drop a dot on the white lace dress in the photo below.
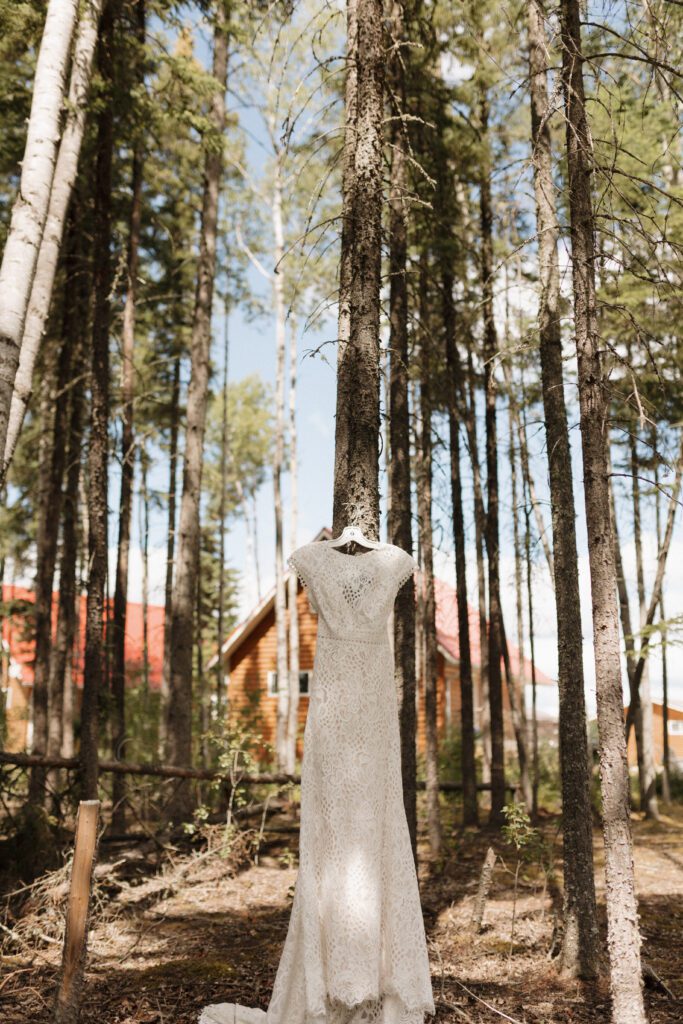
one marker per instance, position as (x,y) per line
(355,951)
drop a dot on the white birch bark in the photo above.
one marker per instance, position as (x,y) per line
(280,592)
(31,204)
(293,583)
(64,178)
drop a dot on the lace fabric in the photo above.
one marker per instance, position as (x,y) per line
(355,951)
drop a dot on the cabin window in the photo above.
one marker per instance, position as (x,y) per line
(272,683)
(675,727)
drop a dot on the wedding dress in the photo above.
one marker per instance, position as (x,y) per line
(355,951)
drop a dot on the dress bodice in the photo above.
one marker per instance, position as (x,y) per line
(353,595)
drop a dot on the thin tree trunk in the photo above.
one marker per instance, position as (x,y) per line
(118,674)
(356,476)
(534,688)
(666,787)
(579,949)
(144,529)
(66,168)
(282,661)
(170,557)
(30,208)
(94,669)
(46,718)
(454,369)
(515,683)
(479,532)
(424,515)
(179,739)
(222,513)
(657,586)
(492,528)
(343,421)
(293,712)
(648,781)
(399,512)
(623,937)
(60,739)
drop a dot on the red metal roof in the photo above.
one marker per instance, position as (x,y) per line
(17,640)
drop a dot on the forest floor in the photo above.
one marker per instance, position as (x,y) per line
(167,940)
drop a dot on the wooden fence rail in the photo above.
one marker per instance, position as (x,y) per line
(167,771)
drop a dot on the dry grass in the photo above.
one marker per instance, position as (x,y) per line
(168,938)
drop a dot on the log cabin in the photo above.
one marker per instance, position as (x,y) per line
(249,657)
(16,662)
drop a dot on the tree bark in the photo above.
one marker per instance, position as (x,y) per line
(356,477)
(55,428)
(666,786)
(282,660)
(60,737)
(479,532)
(30,208)
(118,681)
(66,168)
(399,513)
(492,528)
(623,937)
(221,695)
(293,582)
(170,555)
(454,369)
(179,740)
(424,515)
(648,781)
(93,672)
(579,949)
(343,422)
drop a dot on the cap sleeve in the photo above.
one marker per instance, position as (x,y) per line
(405,567)
(300,562)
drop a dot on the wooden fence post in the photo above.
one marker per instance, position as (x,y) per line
(67,1006)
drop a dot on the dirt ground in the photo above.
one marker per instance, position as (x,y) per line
(165,944)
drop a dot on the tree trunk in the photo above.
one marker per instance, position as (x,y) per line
(127,468)
(93,672)
(343,420)
(66,168)
(144,530)
(648,780)
(60,737)
(666,787)
(492,529)
(30,208)
(532,652)
(479,532)
(282,660)
(515,683)
(579,950)
(424,515)
(55,428)
(170,557)
(623,937)
(222,513)
(399,513)
(356,476)
(454,369)
(293,583)
(179,740)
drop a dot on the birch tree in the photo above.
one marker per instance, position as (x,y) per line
(66,168)
(30,208)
